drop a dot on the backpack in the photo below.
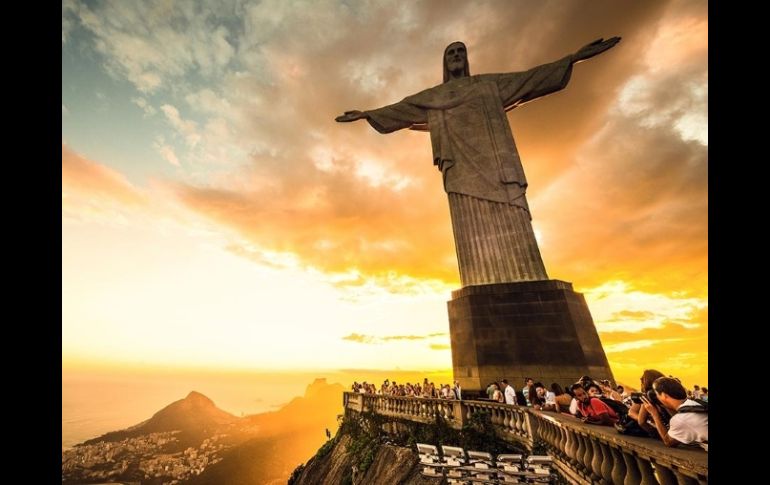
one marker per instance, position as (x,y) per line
(703,407)
(620,409)
(625,425)
(520,399)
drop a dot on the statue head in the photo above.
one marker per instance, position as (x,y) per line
(456,61)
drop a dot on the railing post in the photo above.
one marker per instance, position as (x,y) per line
(572,446)
(596,460)
(648,475)
(665,476)
(458,414)
(685,480)
(606,463)
(581,454)
(618,466)
(633,475)
(561,442)
(531,427)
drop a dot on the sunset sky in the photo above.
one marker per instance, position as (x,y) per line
(214,214)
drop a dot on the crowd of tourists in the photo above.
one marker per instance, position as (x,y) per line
(663,409)
(426,389)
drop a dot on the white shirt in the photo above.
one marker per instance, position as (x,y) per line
(573,406)
(510,395)
(690,428)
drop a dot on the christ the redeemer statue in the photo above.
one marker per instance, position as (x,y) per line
(474,149)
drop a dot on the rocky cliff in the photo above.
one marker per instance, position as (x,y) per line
(373,449)
(390,465)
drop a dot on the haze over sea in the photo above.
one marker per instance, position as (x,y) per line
(96,402)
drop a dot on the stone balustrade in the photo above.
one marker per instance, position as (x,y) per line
(583,453)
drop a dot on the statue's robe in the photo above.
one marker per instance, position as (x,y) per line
(483,176)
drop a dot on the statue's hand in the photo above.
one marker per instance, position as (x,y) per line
(351,116)
(594,48)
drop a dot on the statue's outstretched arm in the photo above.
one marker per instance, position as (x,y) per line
(389,118)
(351,116)
(594,48)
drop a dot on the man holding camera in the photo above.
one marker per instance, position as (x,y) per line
(690,424)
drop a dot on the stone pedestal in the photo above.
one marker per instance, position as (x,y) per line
(539,329)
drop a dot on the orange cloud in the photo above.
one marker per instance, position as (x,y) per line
(337,222)
(667,331)
(673,349)
(642,216)
(85,179)
(630,314)
(413,337)
(371,339)
(358,338)
(439,346)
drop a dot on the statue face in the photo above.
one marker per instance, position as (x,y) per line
(456,57)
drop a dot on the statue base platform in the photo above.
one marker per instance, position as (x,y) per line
(539,329)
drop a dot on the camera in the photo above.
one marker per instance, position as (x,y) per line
(650,395)
(653,397)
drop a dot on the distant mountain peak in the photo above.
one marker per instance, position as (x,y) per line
(318,385)
(198,397)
